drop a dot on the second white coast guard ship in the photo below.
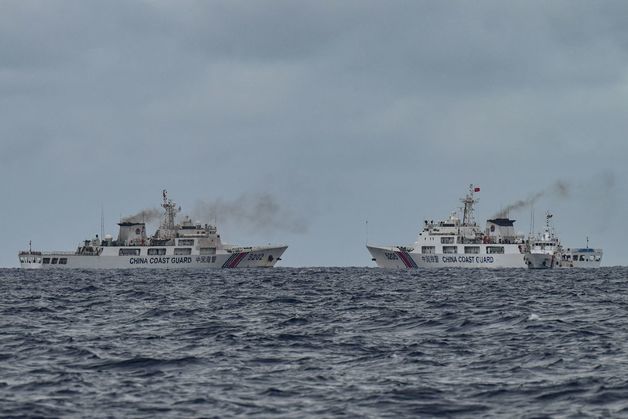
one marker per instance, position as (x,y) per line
(545,252)
(185,245)
(458,243)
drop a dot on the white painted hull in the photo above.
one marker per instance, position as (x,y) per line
(255,257)
(396,257)
(579,264)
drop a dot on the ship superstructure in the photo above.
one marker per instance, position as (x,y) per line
(546,252)
(580,257)
(458,243)
(183,245)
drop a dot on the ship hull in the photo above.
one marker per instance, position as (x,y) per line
(395,257)
(539,260)
(570,258)
(255,257)
(586,258)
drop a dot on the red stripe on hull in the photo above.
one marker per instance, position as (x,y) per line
(238,259)
(404,259)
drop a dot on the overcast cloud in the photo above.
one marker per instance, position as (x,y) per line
(336,112)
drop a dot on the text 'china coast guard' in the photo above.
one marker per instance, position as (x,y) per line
(184,245)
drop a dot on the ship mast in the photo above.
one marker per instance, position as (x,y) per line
(469,201)
(548,215)
(548,228)
(167,228)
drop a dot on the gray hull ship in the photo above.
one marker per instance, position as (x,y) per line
(184,245)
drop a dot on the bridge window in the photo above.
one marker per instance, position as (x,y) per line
(450,249)
(157,251)
(63,261)
(494,249)
(129,252)
(186,242)
(46,261)
(447,240)
(472,249)
(428,250)
(54,261)
(182,251)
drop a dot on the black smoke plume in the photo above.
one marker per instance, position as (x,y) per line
(559,188)
(600,184)
(144,216)
(258,212)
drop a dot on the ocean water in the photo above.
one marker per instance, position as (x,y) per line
(317,342)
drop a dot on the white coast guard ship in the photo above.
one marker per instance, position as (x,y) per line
(544,248)
(185,245)
(458,243)
(546,252)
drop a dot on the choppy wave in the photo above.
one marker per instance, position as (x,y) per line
(351,342)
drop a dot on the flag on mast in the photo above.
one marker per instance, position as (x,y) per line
(477,189)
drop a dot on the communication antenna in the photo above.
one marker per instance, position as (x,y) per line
(367,231)
(102,221)
(531,220)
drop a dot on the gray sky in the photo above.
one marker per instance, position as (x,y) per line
(318,114)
